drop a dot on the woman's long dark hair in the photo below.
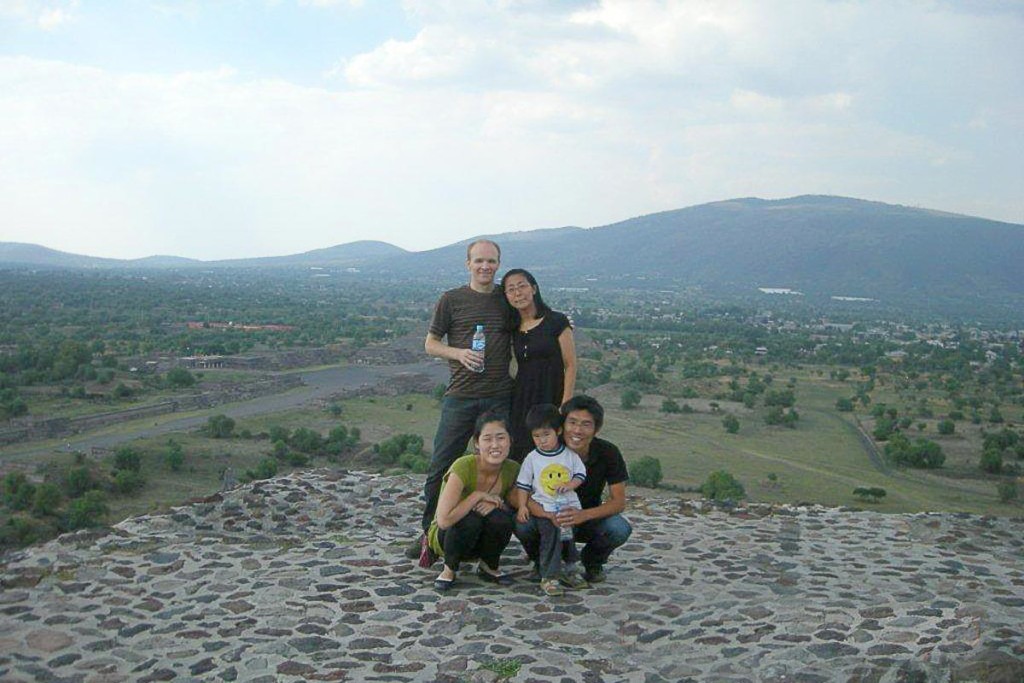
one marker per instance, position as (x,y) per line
(542,308)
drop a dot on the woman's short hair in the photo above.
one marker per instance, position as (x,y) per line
(587,403)
(485,419)
(543,415)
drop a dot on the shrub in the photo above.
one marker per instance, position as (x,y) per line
(266,469)
(686,409)
(884,428)
(784,398)
(630,399)
(22,530)
(392,449)
(994,416)
(731,423)
(47,500)
(1008,490)
(174,456)
(278,433)
(721,485)
(669,406)
(417,463)
(334,409)
(280,450)
(871,494)
(921,453)
(946,427)
(220,427)
(128,481)
(179,377)
(991,461)
(844,405)
(306,441)
(646,472)
(87,511)
(127,458)
(122,390)
(79,480)
(296,459)
(18,491)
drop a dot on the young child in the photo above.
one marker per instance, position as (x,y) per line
(550,474)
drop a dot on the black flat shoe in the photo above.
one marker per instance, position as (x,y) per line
(443,585)
(501,579)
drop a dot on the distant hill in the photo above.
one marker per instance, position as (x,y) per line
(820,245)
(826,245)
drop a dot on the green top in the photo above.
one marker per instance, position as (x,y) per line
(465,467)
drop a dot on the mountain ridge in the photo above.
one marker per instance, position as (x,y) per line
(820,244)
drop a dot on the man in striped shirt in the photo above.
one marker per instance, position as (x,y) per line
(480,382)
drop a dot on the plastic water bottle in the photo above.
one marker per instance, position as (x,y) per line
(479,343)
(564,532)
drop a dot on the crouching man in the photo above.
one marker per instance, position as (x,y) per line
(599,525)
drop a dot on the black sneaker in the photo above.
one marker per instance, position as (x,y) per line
(594,575)
(414,549)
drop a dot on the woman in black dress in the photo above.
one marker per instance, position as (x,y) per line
(545,354)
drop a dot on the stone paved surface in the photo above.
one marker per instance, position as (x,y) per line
(303,578)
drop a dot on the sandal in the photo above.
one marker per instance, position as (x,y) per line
(551,588)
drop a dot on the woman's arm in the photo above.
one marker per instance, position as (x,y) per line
(450,510)
(567,344)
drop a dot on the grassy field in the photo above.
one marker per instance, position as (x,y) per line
(821,461)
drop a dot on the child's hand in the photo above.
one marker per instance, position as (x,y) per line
(523,516)
(563,489)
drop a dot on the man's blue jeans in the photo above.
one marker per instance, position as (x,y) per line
(600,536)
(454,430)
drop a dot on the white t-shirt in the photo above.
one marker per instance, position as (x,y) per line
(542,472)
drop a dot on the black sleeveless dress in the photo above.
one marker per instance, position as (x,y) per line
(540,378)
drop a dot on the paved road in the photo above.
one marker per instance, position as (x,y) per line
(317,384)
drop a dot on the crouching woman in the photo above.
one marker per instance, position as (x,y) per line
(474,511)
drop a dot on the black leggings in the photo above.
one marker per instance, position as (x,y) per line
(476,536)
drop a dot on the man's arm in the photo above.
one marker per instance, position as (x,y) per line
(469,358)
(615,504)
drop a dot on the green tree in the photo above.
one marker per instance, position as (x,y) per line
(630,399)
(265,469)
(946,427)
(871,494)
(47,500)
(128,481)
(78,481)
(18,491)
(646,471)
(844,405)
(127,458)
(220,427)
(731,423)
(721,485)
(179,377)
(991,461)
(306,441)
(669,406)
(86,511)
(122,390)
(174,456)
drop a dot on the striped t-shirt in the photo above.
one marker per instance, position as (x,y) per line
(456,316)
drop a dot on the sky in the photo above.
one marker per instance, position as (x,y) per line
(240,128)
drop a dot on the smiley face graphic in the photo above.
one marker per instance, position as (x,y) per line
(553,476)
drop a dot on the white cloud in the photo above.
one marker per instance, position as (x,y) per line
(517,115)
(45,15)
